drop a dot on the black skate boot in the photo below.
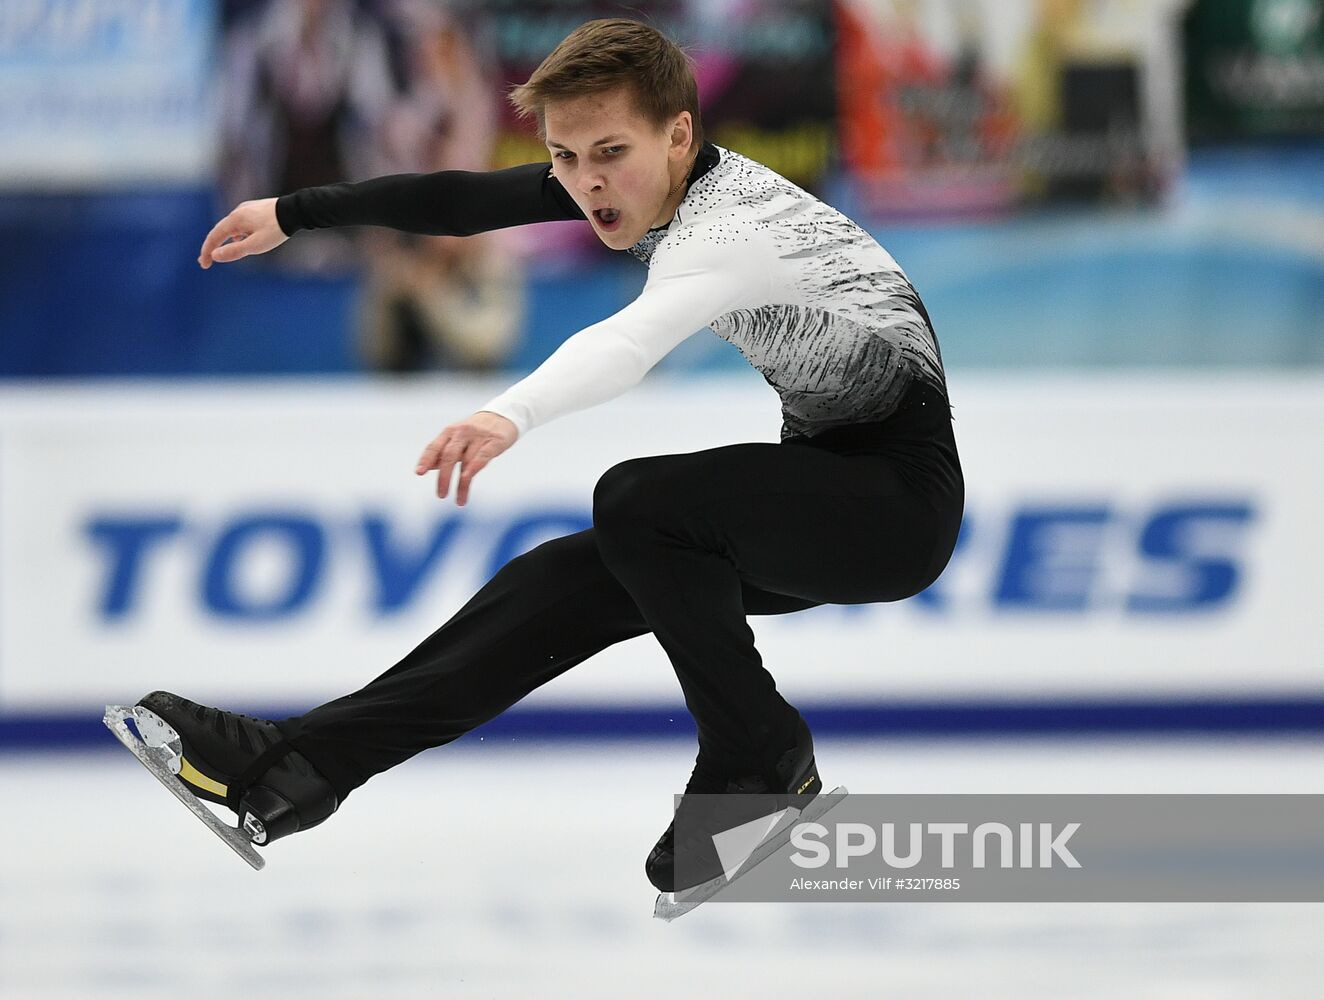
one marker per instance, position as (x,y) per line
(244,764)
(792,781)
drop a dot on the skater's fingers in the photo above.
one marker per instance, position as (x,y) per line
(470,444)
(470,468)
(232,249)
(252,228)
(431,457)
(220,232)
(428,460)
(462,490)
(451,455)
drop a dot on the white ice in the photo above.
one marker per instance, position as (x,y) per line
(515,870)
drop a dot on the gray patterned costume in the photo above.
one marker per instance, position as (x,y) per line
(809,298)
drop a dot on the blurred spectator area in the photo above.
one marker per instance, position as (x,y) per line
(1023,161)
(1230,272)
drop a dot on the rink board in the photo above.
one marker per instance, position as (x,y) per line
(1129,537)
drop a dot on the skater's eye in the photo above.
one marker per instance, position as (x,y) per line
(609,151)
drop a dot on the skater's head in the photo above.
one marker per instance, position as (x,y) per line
(618,107)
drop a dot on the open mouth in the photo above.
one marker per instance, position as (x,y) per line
(607,218)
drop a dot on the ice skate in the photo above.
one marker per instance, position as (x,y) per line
(233,760)
(738,833)
(670,905)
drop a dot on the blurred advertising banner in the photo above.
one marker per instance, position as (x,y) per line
(969,107)
(314,93)
(102,93)
(1254,69)
(268,544)
(764,69)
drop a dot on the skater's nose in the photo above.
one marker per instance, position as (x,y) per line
(589,182)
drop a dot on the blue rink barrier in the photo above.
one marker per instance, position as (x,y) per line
(1209,716)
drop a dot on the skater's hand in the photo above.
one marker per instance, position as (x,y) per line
(251,228)
(471,444)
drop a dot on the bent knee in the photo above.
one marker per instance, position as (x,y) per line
(635,488)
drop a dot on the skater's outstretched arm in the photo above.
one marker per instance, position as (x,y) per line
(444,203)
(687,289)
(690,283)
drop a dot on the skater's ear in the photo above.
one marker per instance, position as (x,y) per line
(682,136)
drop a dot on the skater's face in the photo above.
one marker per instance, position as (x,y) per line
(625,173)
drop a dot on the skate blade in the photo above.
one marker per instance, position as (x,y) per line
(159,751)
(671,905)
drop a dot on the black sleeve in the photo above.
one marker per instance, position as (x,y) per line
(445,203)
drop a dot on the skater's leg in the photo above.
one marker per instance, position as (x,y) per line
(685,533)
(541,614)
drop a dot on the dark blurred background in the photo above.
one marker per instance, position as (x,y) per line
(1069,184)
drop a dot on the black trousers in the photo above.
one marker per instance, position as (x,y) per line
(685,547)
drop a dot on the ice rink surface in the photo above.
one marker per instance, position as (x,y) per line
(516,871)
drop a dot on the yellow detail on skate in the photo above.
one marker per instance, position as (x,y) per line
(195,777)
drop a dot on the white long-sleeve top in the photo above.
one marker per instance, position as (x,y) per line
(809,298)
(684,293)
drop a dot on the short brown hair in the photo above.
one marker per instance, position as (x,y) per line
(608,53)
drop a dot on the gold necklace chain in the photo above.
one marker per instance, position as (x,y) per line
(685,177)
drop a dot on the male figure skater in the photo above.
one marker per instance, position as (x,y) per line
(859,502)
